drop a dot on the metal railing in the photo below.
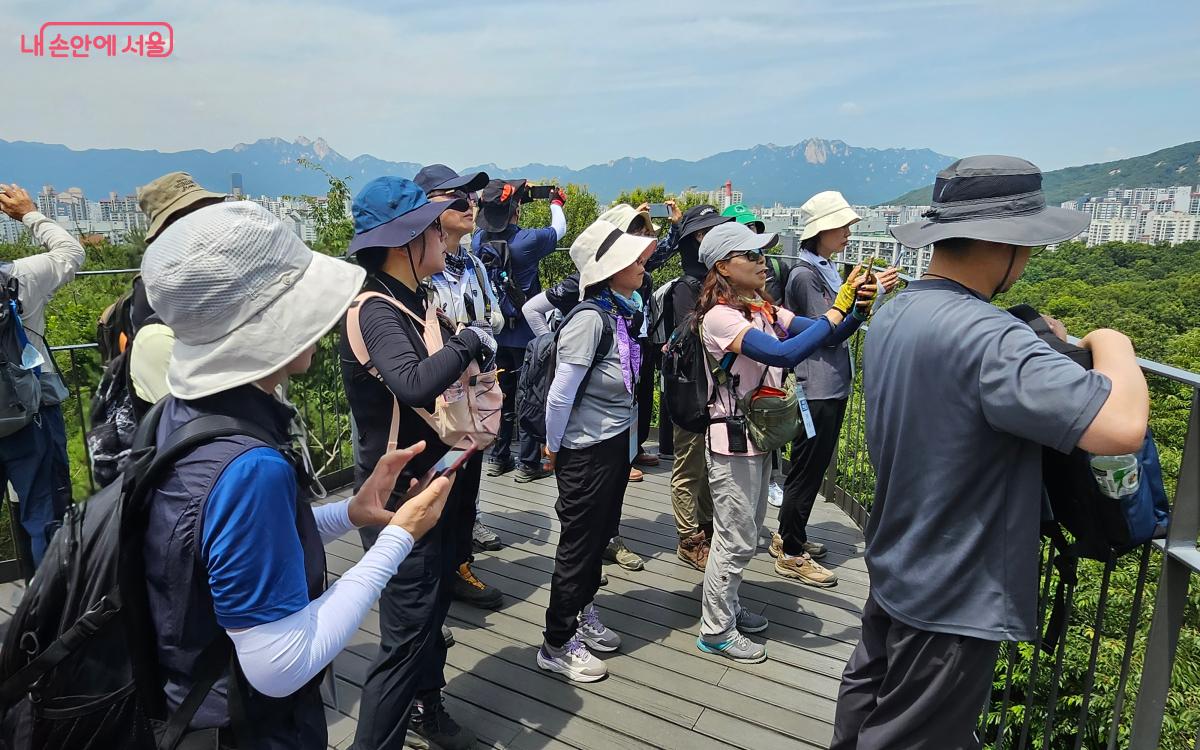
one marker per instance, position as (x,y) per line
(1063,695)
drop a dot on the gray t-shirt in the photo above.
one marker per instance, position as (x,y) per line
(607,408)
(961,396)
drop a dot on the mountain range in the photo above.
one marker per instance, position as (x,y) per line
(765,173)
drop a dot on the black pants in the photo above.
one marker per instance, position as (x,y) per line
(591,489)
(645,393)
(412,610)
(510,359)
(810,459)
(909,688)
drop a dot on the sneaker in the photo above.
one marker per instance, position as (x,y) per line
(594,634)
(431,728)
(468,588)
(815,550)
(622,555)
(734,646)
(499,468)
(573,660)
(635,474)
(603,579)
(645,459)
(447,636)
(694,550)
(532,475)
(775,495)
(751,622)
(483,538)
(806,570)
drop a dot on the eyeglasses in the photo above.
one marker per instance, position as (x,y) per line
(456,195)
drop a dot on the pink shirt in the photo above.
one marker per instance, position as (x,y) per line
(721,326)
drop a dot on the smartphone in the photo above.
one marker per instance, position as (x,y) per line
(735,428)
(458,462)
(538,192)
(660,211)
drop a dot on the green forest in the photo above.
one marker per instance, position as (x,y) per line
(1146,291)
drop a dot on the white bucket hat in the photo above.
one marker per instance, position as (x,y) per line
(602,250)
(826,210)
(621,216)
(243,295)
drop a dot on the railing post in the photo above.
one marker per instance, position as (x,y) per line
(1171,599)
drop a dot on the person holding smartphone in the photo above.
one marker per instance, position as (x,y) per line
(751,339)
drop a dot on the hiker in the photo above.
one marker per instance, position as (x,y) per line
(33,436)
(747,339)
(591,433)
(825,378)
(953,537)
(464,295)
(514,253)
(399,240)
(232,546)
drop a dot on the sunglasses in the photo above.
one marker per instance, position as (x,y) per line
(754,256)
(457,195)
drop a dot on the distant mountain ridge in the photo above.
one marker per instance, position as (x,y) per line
(765,173)
(1176,165)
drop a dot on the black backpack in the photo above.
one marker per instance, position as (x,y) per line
(537,370)
(778,271)
(20,389)
(497,259)
(114,418)
(78,664)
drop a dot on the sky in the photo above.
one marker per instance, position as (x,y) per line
(1060,82)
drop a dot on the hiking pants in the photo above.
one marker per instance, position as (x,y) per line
(34,460)
(644,394)
(810,459)
(691,498)
(739,496)
(905,687)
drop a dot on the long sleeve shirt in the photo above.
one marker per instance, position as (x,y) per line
(41,275)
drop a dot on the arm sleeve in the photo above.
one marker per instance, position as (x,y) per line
(560,400)
(845,330)
(666,248)
(765,348)
(333,520)
(415,379)
(43,273)
(558,222)
(281,656)
(536,310)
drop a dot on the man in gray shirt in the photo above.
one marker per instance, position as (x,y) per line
(961,397)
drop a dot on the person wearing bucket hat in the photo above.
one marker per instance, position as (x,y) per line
(952,542)
(400,241)
(823,380)
(748,340)
(591,432)
(512,254)
(232,546)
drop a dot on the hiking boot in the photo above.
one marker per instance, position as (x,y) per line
(635,474)
(751,622)
(694,550)
(593,633)
(525,474)
(483,538)
(447,636)
(775,495)
(431,727)
(734,646)
(499,468)
(806,570)
(645,459)
(603,579)
(573,660)
(621,555)
(468,588)
(815,550)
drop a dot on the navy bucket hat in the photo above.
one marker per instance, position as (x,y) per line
(440,177)
(392,212)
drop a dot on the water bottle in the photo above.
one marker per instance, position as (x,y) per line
(1116,476)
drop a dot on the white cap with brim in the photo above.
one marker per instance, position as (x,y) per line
(243,295)
(729,238)
(603,250)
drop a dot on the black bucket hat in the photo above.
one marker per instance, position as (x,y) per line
(700,217)
(995,199)
(498,202)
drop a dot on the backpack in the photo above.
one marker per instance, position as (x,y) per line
(78,664)
(20,388)
(537,371)
(115,327)
(1101,528)
(660,312)
(466,413)
(497,259)
(114,418)
(778,271)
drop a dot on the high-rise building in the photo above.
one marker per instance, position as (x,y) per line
(235,183)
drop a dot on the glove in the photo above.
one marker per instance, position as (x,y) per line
(559,196)
(487,350)
(844,302)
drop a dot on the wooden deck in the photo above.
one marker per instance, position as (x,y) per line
(661,691)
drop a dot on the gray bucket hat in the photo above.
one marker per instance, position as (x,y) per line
(995,199)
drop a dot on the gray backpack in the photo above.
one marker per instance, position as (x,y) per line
(20,389)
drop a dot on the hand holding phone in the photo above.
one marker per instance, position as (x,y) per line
(659,211)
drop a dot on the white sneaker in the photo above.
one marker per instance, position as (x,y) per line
(775,495)
(572,660)
(594,633)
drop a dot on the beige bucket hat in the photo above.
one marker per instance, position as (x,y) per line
(826,210)
(163,197)
(602,250)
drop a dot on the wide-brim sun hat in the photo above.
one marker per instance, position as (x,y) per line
(243,295)
(393,211)
(621,216)
(603,250)
(440,177)
(994,199)
(498,202)
(165,196)
(826,210)
(727,239)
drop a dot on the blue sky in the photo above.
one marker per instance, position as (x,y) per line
(1061,82)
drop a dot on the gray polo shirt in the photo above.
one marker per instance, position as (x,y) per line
(961,397)
(607,409)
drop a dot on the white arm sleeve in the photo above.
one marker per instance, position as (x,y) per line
(333,520)
(41,274)
(279,657)
(558,220)
(536,312)
(560,400)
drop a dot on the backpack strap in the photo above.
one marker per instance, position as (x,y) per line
(603,347)
(212,662)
